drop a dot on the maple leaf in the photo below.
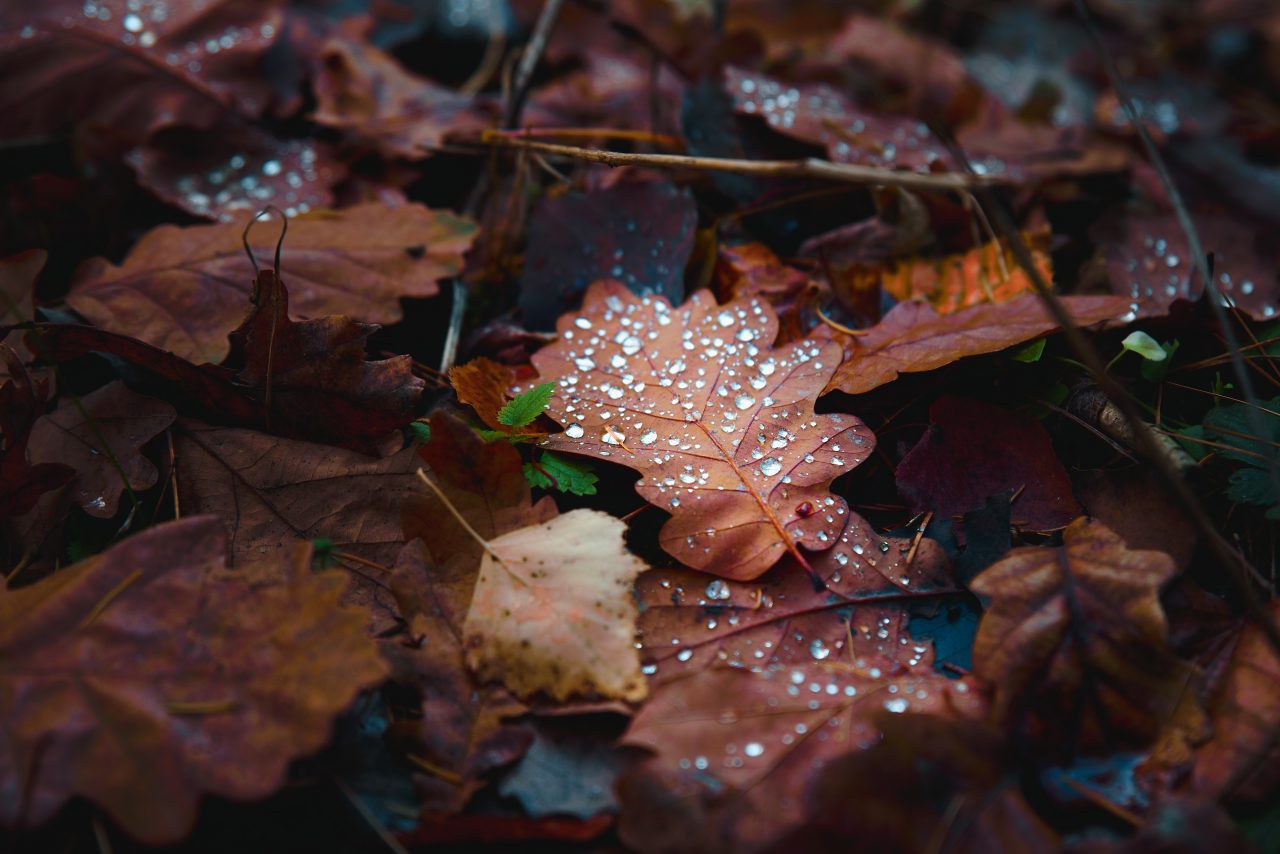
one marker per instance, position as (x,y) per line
(64,63)
(552,610)
(733,744)
(311,376)
(147,676)
(1079,627)
(638,232)
(913,337)
(183,289)
(973,450)
(720,423)
(17,280)
(1245,711)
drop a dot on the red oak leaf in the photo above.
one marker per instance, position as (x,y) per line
(720,423)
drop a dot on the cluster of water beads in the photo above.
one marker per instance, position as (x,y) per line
(291,175)
(1157,268)
(694,397)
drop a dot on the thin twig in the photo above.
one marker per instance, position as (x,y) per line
(444,499)
(811,167)
(454,333)
(1256,424)
(529,60)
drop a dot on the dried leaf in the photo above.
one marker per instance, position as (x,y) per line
(913,337)
(18,275)
(638,232)
(311,376)
(752,269)
(101,437)
(973,450)
(1077,631)
(367,94)
(1245,711)
(987,274)
(147,676)
(720,423)
(552,610)
(130,71)
(185,289)
(482,384)
(21,483)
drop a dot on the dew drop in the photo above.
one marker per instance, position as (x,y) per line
(574,431)
(725,318)
(744,401)
(818,649)
(753,748)
(684,654)
(717,589)
(648,437)
(770,466)
(897,705)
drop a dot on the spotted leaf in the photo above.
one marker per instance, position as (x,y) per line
(720,423)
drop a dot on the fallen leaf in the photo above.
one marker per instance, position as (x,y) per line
(1245,711)
(482,384)
(18,275)
(65,64)
(225,171)
(931,782)
(752,269)
(311,378)
(690,620)
(637,232)
(21,401)
(569,769)
(720,424)
(973,450)
(1075,640)
(736,745)
(913,337)
(101,436)
(183,289)
(986,274)
(465,730)
(269,492)
(368,95)
(552,610)
(1133,503)
(148,676)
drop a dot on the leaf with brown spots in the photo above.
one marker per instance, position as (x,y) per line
(148,676)
(719,422)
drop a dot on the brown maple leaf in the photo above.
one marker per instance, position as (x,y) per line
(719,422)
(913,337)
(148,676)
(1074,642)
(184,289)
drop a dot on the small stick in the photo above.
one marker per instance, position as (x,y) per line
(529,60)
(812,167)
(452,336)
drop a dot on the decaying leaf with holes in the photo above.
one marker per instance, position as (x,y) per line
(552,610)
(718,421)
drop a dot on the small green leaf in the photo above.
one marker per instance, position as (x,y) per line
(322,552)
(556,472)
(1030,353)
(421,431)
(1155,371)
(526,406)
(1145,346)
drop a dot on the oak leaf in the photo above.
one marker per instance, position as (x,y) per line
(720,423)
(552,610)
(973,450)
(1079,628)
(148,675)
(183,289)
(913,337)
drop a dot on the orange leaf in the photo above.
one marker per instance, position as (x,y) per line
(482,384)
(719,422)
(986,274)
